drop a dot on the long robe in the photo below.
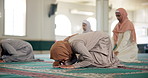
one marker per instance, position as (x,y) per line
(95,49)
(15,50)
(128,50)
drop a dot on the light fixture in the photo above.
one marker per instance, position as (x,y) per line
(74,11)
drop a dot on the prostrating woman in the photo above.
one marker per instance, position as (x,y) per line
(16,50)
(94,49)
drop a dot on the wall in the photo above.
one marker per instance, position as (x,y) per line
(1,18)
(141,23)
(75,19)
(38,22)
(39,26)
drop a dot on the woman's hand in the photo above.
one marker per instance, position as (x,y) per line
(67,66)
(56,64)
(116,53)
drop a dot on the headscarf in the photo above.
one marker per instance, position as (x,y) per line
(88,26)
(123,26)
(60,50)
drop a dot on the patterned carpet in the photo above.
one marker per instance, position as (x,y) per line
(45,70)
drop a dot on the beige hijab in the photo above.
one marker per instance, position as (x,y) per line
(124,26)
(60,50)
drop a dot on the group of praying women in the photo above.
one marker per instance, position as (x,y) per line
(94,48)
(89,49)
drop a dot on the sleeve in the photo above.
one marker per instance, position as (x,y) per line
(82,50)
(124,40)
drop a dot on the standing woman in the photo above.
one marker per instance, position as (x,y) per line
(86,26)
(125,38)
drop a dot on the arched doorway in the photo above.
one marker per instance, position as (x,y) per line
(63,26)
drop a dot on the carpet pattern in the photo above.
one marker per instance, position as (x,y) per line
(45,70)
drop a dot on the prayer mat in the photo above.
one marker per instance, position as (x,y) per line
(45,70)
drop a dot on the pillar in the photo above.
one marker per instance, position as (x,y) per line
(102,15)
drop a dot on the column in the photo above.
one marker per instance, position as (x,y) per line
(48,23)
(102,15)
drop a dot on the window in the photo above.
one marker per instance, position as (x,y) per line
(15,17)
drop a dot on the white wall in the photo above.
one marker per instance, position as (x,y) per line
(39,25)
(141,23)
(75,19)
(1,18)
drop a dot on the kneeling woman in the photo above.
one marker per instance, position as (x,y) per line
(94,49)
(16,50)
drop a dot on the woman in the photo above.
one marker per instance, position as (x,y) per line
(125,38)
(15,50)
(94,48)
(86,26)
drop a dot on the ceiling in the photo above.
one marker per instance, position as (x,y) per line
(127,4)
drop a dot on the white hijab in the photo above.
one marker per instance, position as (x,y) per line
(88,26)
